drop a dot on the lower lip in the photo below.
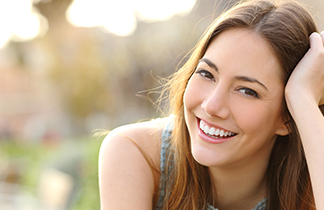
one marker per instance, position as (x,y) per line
(209,139)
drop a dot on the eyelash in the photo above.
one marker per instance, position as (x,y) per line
(247,91)
(251,93)
(206,74)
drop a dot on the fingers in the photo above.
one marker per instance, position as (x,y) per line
(317,40)
(322,98)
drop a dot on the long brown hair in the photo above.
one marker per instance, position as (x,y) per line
(286,26)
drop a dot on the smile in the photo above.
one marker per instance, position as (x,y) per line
(215,132)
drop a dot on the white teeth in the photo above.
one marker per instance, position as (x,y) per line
(213,132)
(217,132)
(222,133)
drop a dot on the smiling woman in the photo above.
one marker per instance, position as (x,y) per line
(246,127)
(224,98)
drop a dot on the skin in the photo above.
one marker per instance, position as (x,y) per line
(220,97)
(125,178)
(304,92)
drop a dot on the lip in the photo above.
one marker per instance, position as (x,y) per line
(209,139)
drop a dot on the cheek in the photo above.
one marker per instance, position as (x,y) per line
(196,92)
(191,95)
(254,117)
(192,100)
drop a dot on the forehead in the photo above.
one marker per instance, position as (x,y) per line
(243,51)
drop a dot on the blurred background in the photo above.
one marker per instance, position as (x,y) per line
(69,67)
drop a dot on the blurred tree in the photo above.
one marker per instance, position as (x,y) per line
(100,74)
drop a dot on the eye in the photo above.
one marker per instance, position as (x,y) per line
(205,74)
(249,92)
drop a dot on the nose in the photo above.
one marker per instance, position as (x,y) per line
(216,104)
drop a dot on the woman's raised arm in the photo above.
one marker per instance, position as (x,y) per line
(304,93)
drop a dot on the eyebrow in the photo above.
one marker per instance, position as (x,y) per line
(209,63)
(250,79)
(241,78)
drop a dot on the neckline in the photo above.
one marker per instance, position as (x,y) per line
(260,206)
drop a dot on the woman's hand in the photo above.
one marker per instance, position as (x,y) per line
(304,92)
(306,83)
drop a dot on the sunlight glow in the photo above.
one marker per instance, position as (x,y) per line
(19,21)
(115,16)
(162,10)
(120,17)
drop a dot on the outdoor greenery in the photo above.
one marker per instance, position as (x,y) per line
(27,161)
(73,80)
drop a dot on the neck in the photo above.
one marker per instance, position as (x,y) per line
(240,188)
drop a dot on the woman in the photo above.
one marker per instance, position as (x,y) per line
(246,130)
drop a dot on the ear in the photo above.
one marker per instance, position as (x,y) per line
(283,129)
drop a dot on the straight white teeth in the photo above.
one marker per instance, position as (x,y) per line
(213,132)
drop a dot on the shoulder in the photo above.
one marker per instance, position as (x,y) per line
(123,165)
(145,136)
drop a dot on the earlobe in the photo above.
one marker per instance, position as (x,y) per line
(283,129)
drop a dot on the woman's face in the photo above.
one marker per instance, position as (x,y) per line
(233,101)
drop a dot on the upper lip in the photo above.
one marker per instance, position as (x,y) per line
(213,125)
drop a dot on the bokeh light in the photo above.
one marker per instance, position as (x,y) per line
(120,17)
(20,23)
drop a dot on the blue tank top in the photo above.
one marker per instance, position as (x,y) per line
(166,135)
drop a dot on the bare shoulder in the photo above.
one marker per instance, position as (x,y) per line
(124,172)
(146,135)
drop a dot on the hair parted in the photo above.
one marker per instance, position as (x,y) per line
(286,26)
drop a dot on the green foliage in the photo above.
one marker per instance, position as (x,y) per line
(30,159)
(89,194)
(25,159)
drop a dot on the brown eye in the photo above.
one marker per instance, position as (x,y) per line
(249,92)
(205,74)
